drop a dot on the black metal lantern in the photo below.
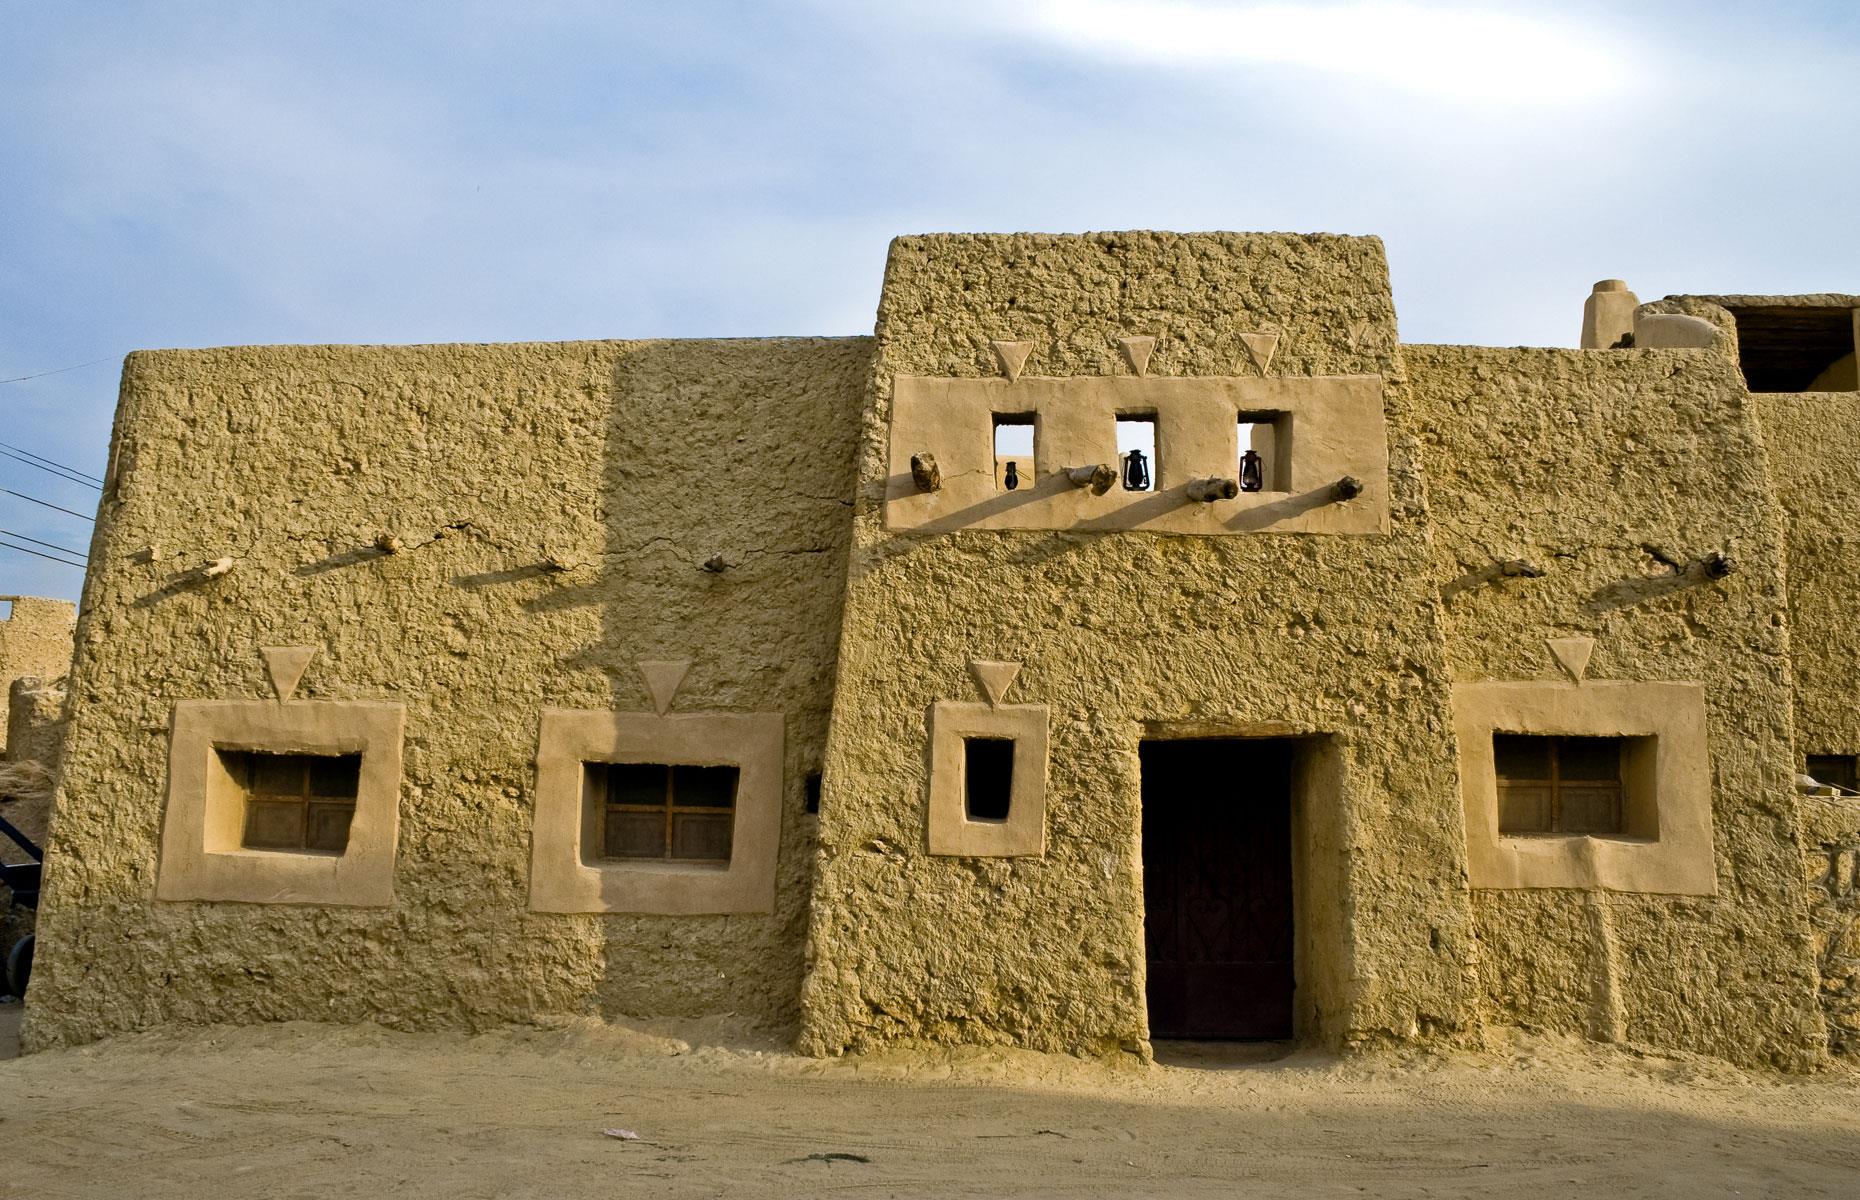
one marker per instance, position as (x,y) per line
(1251,478)
(1136,472)
(1010,479)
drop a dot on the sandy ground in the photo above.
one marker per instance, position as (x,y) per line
(310,1111)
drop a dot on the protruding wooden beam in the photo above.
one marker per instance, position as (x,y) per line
(1347,488)
(1213,488)
(925,473)
(1097,477)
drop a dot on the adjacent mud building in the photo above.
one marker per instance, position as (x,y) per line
(1397,692)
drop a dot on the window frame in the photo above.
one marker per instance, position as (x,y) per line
(1554,747)
(602,797)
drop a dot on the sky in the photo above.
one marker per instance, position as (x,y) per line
(214,173)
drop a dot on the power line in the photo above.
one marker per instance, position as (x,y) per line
(48,545)
(63,473)
(5,545)
(45,504)
(60,371)
(48,462)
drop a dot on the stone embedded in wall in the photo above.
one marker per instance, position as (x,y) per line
(1013,357)
(1136,352)
(1260,347)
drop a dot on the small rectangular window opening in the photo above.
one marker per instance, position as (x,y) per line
(1566,786)
(1136,452)
(1835,770)
(1259,434)
(811,790)
(1013,451)
(1796,348)
(302,803)
(988,777)
(6,610)
(659,811)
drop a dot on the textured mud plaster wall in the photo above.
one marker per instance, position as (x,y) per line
(35,641)
(629,464)
(1573,460)
(1813,440)
(1814,444)
(1252,632)
(1831,844)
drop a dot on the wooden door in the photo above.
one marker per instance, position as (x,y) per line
(1217,887)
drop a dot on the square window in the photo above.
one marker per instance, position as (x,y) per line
(1835,770)
(297,803)
(660,811)
(988,777)
(1567,786)
(271,803)
(1136,452)
(1014,461)
(643,813)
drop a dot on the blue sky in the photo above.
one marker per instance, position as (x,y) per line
(193,174)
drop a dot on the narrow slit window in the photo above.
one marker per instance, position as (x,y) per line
(1835,770)
(1260,462)
(1136,452)
(1013,451)
(1565,786)
(300,803)
(659,811)
(811,793)
(988,777)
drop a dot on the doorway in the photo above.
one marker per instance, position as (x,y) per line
(1217,887)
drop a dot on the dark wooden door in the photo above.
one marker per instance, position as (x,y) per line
(1217,887)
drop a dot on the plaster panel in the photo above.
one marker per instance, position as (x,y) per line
(951,832)
(565,878)
(201,855)
(1678,860)
(1329,427)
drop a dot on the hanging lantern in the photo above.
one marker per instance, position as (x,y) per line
(1136,472)
(1011,478)
(1251,478)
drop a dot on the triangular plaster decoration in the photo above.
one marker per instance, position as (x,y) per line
(1013,356)
(286,666)
(1357,330)
(995,677)
(1136,352)
(663,680)
(1260,346)
(1572,654)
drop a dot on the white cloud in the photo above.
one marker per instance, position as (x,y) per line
(1457,52)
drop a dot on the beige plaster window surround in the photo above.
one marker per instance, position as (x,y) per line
(1322,429)
(675,813)
(275,802)
(1597,785)
(988,770)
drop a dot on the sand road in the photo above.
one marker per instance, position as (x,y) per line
(311,1111)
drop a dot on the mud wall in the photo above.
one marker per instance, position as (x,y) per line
(552,506)
(35,641)
(1594,467)
(1125,635)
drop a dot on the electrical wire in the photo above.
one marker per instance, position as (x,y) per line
(48,545)
(48,462)
(47,504)
(5,545)
(62,473)
(60,371)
